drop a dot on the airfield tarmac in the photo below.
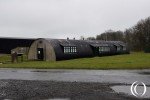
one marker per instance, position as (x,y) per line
(60,84)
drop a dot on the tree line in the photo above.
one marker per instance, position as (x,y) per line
(137,37)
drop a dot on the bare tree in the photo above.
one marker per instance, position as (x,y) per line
(91,38)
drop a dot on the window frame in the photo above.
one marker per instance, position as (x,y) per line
(104,49)
(69,49)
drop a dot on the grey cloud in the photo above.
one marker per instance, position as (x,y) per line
(68,18)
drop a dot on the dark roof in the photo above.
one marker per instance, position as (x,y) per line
(1,37)
(117,43)
(7,44)
(97,43)
(83,48)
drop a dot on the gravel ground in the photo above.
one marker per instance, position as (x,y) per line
(51,90)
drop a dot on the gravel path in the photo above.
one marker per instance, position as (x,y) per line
(52,90)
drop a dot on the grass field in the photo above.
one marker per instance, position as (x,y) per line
(136,60)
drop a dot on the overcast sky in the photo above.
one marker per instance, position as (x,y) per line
(68,18)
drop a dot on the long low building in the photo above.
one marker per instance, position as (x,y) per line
(60,49)
(9,43)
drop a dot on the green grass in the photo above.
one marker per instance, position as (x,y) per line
(136,60)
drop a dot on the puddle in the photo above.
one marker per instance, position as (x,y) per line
(58,99)
(52,71)
(49,99)
(145,73)
(8,99)
(126,90)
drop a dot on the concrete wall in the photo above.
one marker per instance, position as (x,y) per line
(48,50)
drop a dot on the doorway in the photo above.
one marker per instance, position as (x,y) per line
(96,51)
(40,54)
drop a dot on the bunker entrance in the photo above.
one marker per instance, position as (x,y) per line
(40,54)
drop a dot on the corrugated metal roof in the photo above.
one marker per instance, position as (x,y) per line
(66,44)
(95,43)
(98,45)
(83,47)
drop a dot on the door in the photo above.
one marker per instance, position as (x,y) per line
(40,54)
(96,51)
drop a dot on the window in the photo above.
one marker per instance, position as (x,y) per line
(101,49)
(75,49)
(124,48)
(70,49)
(118,48)
(106,49)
